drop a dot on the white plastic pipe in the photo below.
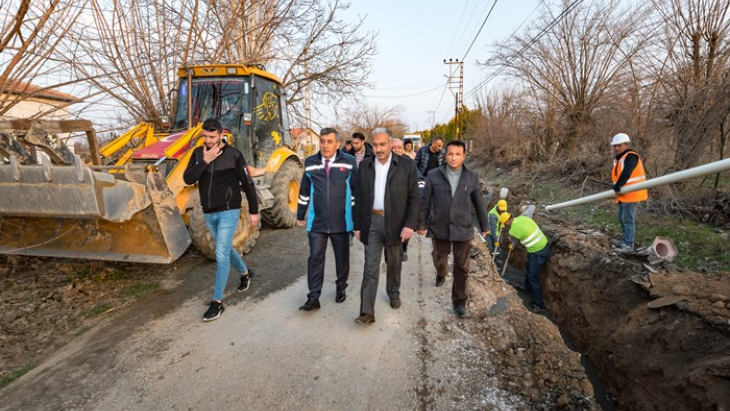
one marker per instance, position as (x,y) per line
(699,171)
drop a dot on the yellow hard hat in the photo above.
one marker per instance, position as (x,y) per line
(502,205)
(504,217)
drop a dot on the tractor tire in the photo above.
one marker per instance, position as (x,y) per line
(285,189)
(243,240)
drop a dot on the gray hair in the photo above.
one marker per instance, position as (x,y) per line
(382,130)
(330,130)
(393,140)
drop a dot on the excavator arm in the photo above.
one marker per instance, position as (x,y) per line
(140,136)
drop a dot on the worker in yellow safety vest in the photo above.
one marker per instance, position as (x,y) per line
(627,170)
(495,228)
(524,231)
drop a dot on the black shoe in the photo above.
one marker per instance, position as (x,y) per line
(311,304)
(245,281)
(440,281)
(460,311)
(395,303)
(405,256)
(214,311)
(341,296)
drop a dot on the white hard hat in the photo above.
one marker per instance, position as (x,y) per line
(620,138)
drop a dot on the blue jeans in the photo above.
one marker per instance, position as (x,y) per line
(535,261)
(222,226)
(626,213)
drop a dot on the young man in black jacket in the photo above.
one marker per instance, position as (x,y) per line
(220,170)
(451,192)
(361,149)
(326,196)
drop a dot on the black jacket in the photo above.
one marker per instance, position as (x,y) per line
(450,218)
(401,198)
(422,156)
(220,182)
(328,199)
(368,151)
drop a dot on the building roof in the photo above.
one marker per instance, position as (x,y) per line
(30,90)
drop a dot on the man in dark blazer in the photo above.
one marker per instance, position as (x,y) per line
(446,210)
(386,215)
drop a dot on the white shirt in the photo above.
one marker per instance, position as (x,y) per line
(381,176)
(331,159)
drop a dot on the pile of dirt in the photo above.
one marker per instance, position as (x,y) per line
(45,302)
(529,355)
(657,337)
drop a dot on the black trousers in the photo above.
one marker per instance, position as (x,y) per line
(441,251)
(315,264)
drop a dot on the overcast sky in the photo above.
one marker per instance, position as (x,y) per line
(416,36)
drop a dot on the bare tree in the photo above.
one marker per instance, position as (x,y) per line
(570,60)
(305,40)
(30,33)
(364,118)
(695,81)
(498,131)
(130,50)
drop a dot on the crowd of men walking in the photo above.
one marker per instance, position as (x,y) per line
(382,192)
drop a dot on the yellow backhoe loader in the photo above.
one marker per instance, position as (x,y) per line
(130,203)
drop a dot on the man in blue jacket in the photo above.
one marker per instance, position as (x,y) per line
(327,196)
(430,156)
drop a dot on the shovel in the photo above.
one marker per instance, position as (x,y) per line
(494,257)
(506,261)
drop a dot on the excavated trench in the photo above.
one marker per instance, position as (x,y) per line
(657,338)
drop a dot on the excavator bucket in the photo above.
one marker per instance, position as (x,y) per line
(77,212)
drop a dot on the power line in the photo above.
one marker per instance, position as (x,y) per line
(407,95)
(459,24)
(514,33)
(480,30)
(409,87)
(441,99)
(523,22)
(466,26)
(542,32)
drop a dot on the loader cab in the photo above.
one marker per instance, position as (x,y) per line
(249,102)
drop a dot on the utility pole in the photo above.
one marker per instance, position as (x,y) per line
(455,83)
(308,102)
(432,115)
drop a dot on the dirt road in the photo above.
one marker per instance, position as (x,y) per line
(265,354)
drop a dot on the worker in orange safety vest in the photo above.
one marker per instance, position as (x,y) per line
(627,170)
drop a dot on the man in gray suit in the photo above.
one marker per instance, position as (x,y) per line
(385,216)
